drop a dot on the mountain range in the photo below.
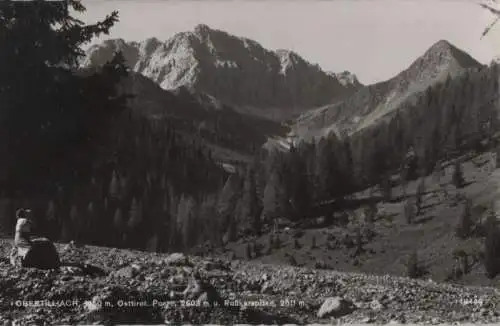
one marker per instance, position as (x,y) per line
(267,96)
(236,70)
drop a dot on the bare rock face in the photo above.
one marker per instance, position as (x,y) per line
(235,70)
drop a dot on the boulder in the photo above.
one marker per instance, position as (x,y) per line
(128,272)
(40,254)
(335,307)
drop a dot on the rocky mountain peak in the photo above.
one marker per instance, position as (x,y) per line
(235,70)
(202,29)
(443,52)
(375,103)
(346,78)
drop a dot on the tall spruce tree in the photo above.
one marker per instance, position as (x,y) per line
(251,206)
(50,108)
(273,198)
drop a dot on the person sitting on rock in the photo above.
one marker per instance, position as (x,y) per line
(29,250)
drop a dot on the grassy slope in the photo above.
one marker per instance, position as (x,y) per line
(433,234)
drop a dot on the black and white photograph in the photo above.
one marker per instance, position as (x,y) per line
(257,162)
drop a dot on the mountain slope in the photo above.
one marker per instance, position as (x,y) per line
(372,103)
(235,70)
(233,136)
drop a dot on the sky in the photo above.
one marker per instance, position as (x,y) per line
(375,39)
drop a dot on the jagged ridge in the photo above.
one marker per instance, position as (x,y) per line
(372,103)
(235,70)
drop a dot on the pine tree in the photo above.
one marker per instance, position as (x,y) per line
(153,243)
(91,217)
(313,242)
(119,226)
(412,267)
(74,217)
(187,215)
(326,169)
(419,196)
(298,187)
(273,198)
(492,247)
(371,212)
(251,206)
(277,242)
(296,244)
(359,242)
(270,244)
(248,251)
(65,232)
(135,214)
(210,220)
(114,186)
(41,46)
(409,210)
(51,219)
(458,178)
(464,227)
(386,187)
(228,199)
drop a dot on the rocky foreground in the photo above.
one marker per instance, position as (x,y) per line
(123,286)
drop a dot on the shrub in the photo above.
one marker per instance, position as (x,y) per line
(413,267)
(492,248)
(277,242)
(249,251)
(297,233)
(296,244)
(419,196)
(313,242)
(409,212)
(321,265)
(458,177)
(257,249)
(359,241)
(462,258)
(371,213)
(270,244)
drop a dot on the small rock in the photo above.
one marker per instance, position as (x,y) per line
(376,305)
(266,288)
(137,267)
(177,259)
(126,272)
(336,307)
(71,270)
